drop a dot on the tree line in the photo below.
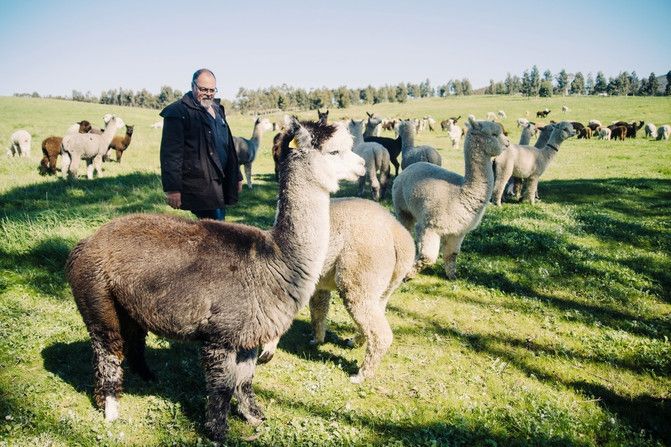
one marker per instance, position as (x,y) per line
(286,98)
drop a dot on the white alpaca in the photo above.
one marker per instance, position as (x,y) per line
(87,146)
(19,144)
(369,254)
(501,114)
(603,133)
(650,130)
(411,154)
(565,109)
(377,159)
(247,149)
(454,132)
(442,205)
(528,162)
(663,132)
(522,122)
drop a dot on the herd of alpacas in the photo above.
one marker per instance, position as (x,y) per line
(236,288)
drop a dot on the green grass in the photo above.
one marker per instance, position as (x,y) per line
(556,332)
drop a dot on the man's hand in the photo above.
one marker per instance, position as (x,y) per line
(240,186)
(174,199)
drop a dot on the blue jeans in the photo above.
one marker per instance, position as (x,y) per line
(216,214)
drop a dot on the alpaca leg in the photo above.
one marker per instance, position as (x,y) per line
(517,188)
(118,155)
(89,169)
(66,161)
(219,365)
(532,187)
(98,165)
(319,309)
(503,174)
(248,174)
(428,246)
(361,185)
(372,323)
(247,406)
(134,337)
(394,161)
(52,163)
(384,182)
(375,187)
(451,248)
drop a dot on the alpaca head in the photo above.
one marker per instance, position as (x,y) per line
(564,130)
(129,129)
(407,127)
(486,135)
(107,117)
(263,124)
(373,120)
(356,127)
(84,126)
(323,116)
(327,148)
(114,121)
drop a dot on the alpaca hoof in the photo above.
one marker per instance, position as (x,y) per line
(111,408)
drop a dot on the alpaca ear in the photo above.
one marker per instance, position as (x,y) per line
(474,124)
(369,115)
(291,124)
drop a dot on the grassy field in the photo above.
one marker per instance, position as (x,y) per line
(556,332)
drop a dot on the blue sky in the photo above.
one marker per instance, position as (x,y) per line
(55,47)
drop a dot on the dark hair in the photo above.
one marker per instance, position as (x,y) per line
(199,72)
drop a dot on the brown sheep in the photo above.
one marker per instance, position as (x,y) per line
(120,143)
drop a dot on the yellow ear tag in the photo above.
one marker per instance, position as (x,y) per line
(293,144)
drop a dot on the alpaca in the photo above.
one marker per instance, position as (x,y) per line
(528,162)
(277,151)
(618,132)
(514,185)
(522,122)
(429,122)
(443,205)
(501,114)
(603,133)
(565,109)
(594,125)
(411,154)
(373,125)
(663,132)
(650,130)
(322,117)
(120,143)
(393,146)
(85,126)
(365,271)
(51,149)
(543,113)
(87,146)
(230,286)
(632,128)
(445,124)
(247,149)
(528,131)
(19,144)
(377,159)
(454,132)
(491,116)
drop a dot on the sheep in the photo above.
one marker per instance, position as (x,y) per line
(565,109)
(373,126)
(19,144)
(442,205)
(230,286)
(120,143)
(411,154)
(491,116)
(603,133)
(501,114)
(365,271)
(88,146)
(528,162)
(543,113)
(650,130)
(663,132)
(376,157)
(247,149)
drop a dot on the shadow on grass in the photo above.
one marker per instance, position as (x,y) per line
(642,412)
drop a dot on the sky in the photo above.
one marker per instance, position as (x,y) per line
(55,47)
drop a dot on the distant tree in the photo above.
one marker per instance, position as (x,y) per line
(600,84)
(667,89)
(578,84)
(653,84)
(466,86)
(37,95)
(534,81)
(545,90)
(425,89)
(589,84)
(342,97)
(489,90)
(499,88)
(457,87)
(380,95)
(512,84)
(77,95)
(562,82)
(391,93)
(547,76)
(643,89)
(401,92)
(443,90)
(634,84)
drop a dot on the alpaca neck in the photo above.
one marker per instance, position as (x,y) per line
(407,137)
(107,135)
(478,179)
(357,138)
(525,139)
(254,142)
(548,152)
(302,231)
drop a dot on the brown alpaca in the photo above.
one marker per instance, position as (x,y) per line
(51,149)
(231,287)
(120,143)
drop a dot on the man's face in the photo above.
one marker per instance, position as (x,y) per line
(204,89)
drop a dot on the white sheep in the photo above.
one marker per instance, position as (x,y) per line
(663,132)
(650,130)
(411,154)
(365,271)
(87,146)
(528,162)
(377,159)
(19,144)
(443,205)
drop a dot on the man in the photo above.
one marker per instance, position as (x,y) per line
(199,166)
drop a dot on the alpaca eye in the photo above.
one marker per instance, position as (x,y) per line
(334,153)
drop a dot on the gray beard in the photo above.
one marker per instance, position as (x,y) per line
(207,103)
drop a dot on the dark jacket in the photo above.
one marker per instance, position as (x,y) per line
(189,161)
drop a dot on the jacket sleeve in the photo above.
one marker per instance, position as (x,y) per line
(172,148)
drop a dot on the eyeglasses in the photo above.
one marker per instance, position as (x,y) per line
(206,90)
